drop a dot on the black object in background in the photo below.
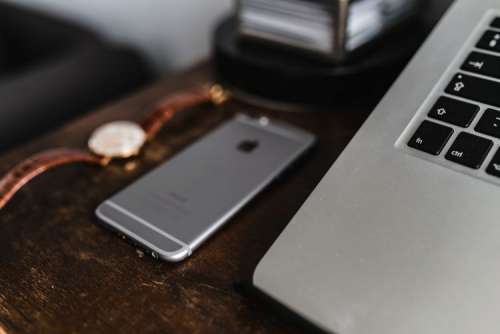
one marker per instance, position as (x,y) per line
(52,71)
(281,78)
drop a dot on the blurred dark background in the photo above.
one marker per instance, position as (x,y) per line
(60,59)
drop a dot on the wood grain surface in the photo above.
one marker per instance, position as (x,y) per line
(61,272)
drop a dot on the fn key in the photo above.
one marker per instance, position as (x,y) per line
(430,137)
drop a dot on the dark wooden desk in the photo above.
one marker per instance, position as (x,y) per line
(60,272)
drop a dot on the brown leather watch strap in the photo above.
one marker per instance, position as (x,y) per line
(167,108)
(39,163)
(162,113)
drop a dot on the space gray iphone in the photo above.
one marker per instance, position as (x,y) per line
(176,207)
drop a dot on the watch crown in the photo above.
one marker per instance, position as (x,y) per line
(218,94)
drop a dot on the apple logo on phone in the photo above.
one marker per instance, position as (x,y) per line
(248,146)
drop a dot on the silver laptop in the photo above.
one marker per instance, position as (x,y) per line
(403,233)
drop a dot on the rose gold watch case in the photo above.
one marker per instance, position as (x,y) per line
(121,139)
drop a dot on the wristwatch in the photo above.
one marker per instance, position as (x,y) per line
(116,140)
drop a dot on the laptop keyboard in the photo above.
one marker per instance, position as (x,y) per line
(459,126)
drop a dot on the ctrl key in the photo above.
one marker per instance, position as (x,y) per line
(469,150)
(430,137)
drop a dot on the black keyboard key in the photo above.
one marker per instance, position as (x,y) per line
(490,41)
(484,64)
(454,111)
(430,137)
(489,123)
(477,89)
(494,166)
(469,150)
(496,23)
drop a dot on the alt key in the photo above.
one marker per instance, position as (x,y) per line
(494,166)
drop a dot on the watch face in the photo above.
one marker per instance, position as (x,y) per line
(120,139)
